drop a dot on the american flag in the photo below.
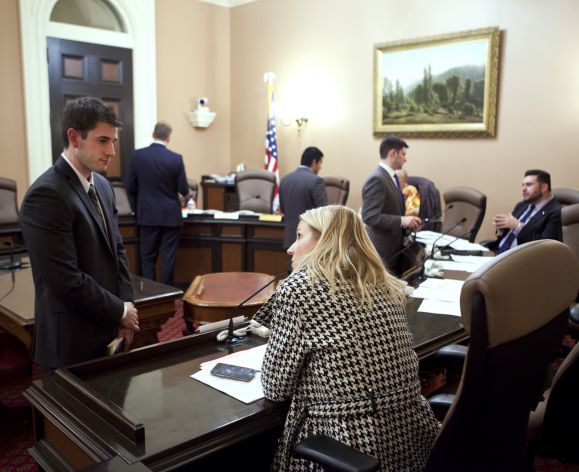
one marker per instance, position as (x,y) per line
(271,146)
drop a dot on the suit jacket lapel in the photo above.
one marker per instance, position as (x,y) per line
(64,169)
(393,189)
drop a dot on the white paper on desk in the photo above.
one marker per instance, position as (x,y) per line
(462,266)
(473,260)
(246,392)
(464,245)
(252,358)
(436,294)
(427,235)
(440,307)
(222,215)
(444,284)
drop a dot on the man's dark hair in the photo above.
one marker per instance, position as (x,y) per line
(391,142)
(84,114)
(162,131)
(310,155)
(542,176)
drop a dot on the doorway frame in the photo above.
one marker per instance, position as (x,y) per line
(35,26)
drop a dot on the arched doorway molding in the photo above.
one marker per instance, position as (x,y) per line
(139,18)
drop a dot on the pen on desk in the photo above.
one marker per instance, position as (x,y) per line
(141,285)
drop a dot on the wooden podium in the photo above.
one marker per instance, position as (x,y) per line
(212,297)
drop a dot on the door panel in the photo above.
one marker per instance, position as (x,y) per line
(77,69)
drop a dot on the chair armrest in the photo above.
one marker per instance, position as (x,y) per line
(454,352)
(334,455)
(574,313)
(440,404)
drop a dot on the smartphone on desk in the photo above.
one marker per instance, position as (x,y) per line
(233,372)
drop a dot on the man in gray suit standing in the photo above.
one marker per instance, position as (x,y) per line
(383,208)
(301,190)
(79,265)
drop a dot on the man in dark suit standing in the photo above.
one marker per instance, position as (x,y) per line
(538,216)
(69,222)
(156,177)
(301,190)
(383,208)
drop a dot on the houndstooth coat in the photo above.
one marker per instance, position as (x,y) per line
(351,373)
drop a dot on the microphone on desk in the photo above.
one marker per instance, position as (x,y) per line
(231,339)
(14,264)
(438,218)
(436,249)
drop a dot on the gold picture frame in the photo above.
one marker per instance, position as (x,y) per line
(438,87)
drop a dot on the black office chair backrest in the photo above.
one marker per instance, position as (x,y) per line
(122,198)
(553,426)
(337,190)
(516,310)
(464,202)
(255,190)
(566,196)
(8,201)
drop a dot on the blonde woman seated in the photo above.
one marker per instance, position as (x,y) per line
(341,349)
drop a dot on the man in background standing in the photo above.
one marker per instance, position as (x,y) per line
(301,190)
(383,208)
(156,177)
(69,222)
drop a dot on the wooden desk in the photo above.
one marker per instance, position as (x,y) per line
(208,245)
(152,414)
(213,297)
(155,302)
(150,411)
(218,196)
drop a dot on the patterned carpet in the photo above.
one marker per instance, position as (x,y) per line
(16,427)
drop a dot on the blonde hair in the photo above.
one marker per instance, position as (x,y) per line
(344,251)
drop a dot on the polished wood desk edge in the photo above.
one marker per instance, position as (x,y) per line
(58,400)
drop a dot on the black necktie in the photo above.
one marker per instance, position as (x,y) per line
(94,199)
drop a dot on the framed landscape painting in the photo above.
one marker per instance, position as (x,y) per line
(443,86)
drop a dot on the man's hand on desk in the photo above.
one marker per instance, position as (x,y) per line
(131,319)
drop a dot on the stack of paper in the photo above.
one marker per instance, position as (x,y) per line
(246,392)
(440,296)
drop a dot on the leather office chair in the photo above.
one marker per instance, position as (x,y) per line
(255,189)
(8,202)
(121,197)
(566,196)
(570,229)
(554,425)
(515,330)
(337,190)
(464,202)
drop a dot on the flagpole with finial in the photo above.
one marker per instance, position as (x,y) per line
(271,156)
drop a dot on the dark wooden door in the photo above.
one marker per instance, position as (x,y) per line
(77,69)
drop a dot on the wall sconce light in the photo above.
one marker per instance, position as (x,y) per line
(301,122)
(202,116)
